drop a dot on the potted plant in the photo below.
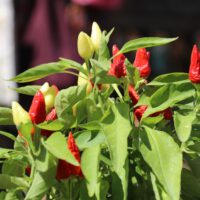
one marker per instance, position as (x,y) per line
(113,136)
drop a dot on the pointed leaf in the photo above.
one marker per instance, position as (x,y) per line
(167,96)
(116,128)
(68,97)
(56,144)
(90,168)
(164,157)
(27,90)
(183,125)
(144,43)
(175,78)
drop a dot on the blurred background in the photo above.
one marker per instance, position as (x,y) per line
(33,32)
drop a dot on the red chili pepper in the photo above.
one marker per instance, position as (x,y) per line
(50,117)
(168,113)
(194,71)
(37,110)
(28,171)
(118,68)
(64,169)
(133,94)
(139,111)
(142,62)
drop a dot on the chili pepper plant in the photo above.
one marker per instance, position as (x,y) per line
(112,136)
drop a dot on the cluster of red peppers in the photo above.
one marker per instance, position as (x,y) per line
(42,109)
(141,62)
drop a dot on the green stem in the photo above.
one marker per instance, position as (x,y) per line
(88,67)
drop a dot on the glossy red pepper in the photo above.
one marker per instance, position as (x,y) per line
(37,110)
(64,169)
(50,117)
(142,62)
(117,68)
(194,71)
(133,94)
(139,111)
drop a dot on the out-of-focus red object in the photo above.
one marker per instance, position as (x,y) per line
(103,4)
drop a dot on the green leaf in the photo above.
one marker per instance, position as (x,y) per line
(190,185)
(6,116)
(70,64)
(8,135)
(45,162)
(12,182)
(57,145)
(87,139)
(183,125)
(158,190)
(109,34)
(167,168)
(103,65)
(133,73)
(144,43)
(44,177)
(27,90)
(38,188)
(4,151)
(175,78)
(42,71)
(116,127)
(14,167)
(90,168)
(94,125)
(67,98)
(55,125)
(167,96)
(103,48)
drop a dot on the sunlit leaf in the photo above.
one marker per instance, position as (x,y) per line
(164,157)
(144,43)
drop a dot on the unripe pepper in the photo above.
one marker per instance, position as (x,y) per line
(20,116)
(37,109)
(194,71)
(118,67)
(85,46)
(64,169)
(49,94)
(96,36)
(142,62)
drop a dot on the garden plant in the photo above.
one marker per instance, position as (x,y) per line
(112,136)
